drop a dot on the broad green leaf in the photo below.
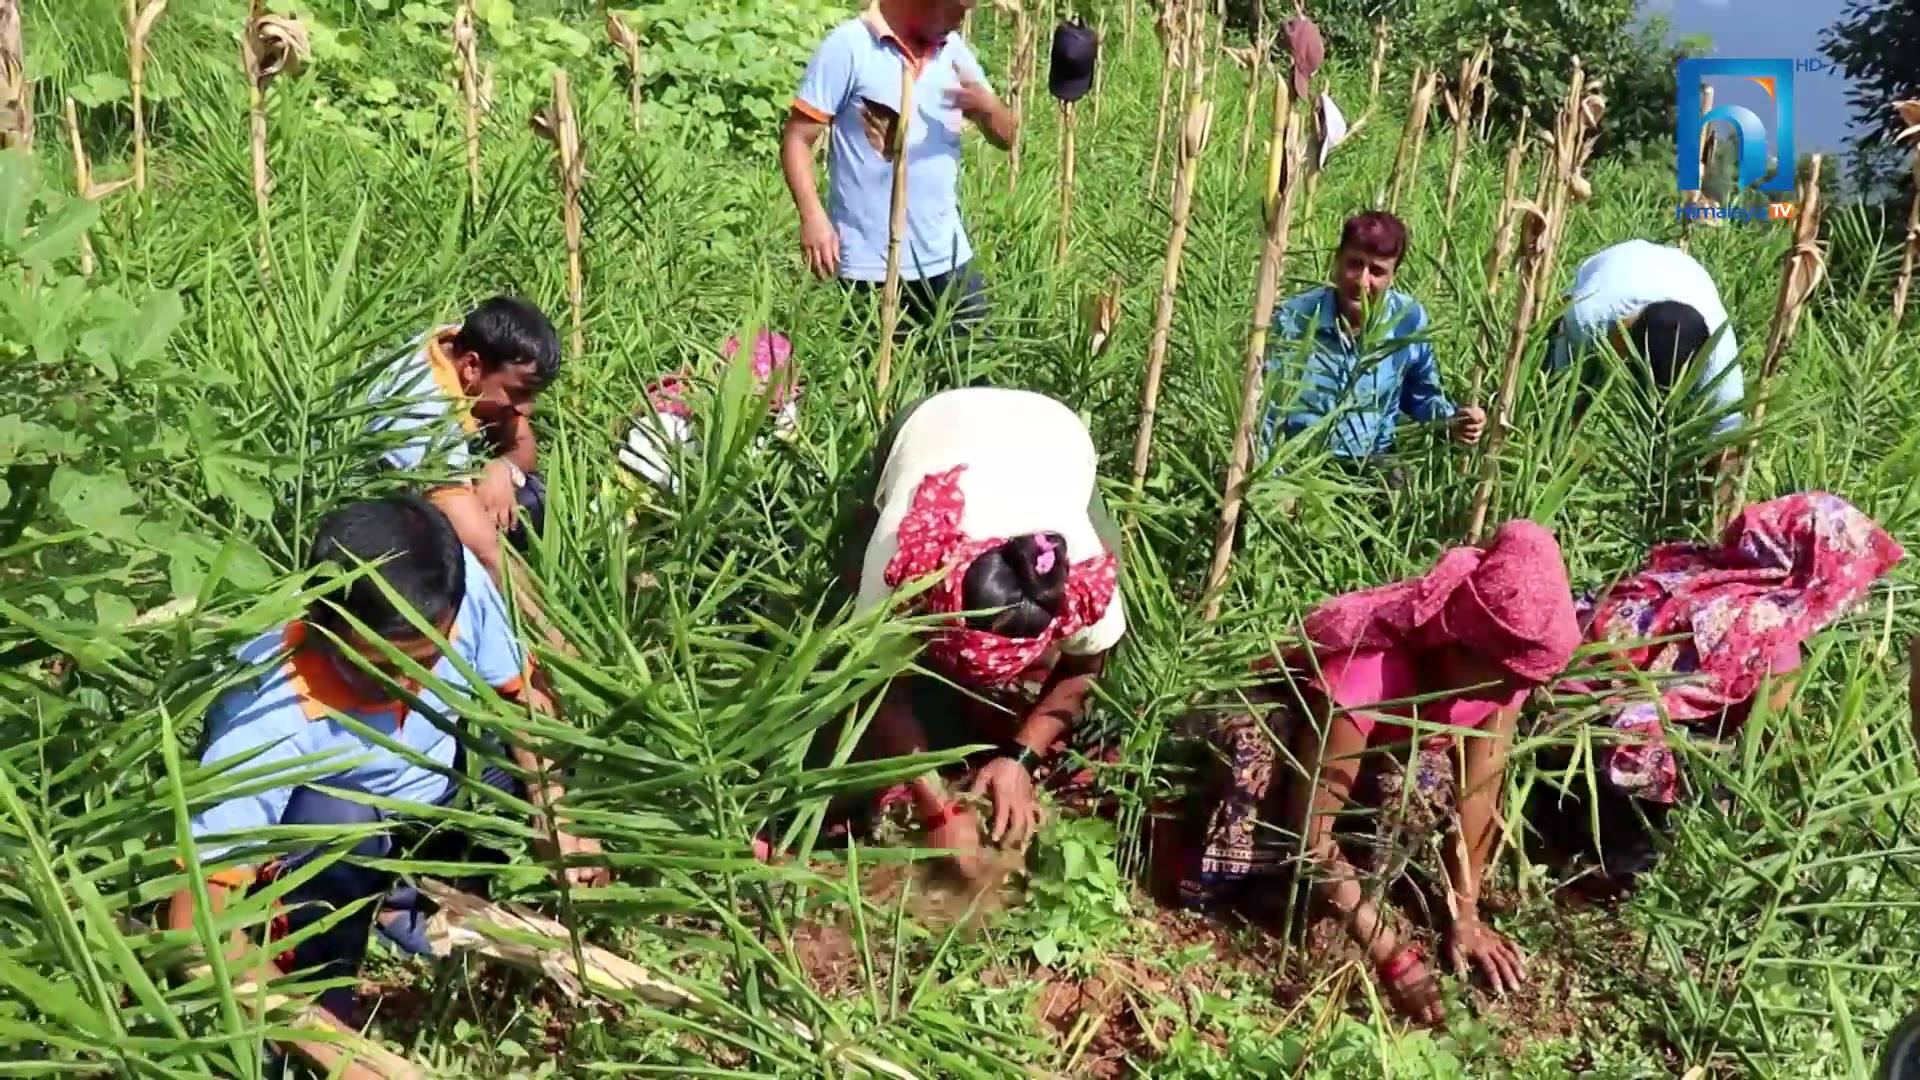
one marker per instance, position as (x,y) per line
(96,501)
(100,88)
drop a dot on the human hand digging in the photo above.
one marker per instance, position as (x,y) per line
(1416,993)
(1472,944)
(958,833)
(1016,813)
(1469,424)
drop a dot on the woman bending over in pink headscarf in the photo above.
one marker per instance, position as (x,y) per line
(989,494)
(1456,650)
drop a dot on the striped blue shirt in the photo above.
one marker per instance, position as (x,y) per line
(1361,386)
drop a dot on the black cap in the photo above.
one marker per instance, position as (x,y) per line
(1076,50)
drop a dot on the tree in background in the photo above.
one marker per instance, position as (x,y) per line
(1534,43)
(1878,43)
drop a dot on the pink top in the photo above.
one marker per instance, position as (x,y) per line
(1361,681)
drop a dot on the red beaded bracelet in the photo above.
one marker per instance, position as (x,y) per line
(1399,964)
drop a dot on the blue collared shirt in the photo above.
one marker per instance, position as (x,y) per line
(854,79)
(293,709)
(1365,385)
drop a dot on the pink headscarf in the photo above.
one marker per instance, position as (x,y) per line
(1782,571)
(772,357)
(931,542)
(1508,603)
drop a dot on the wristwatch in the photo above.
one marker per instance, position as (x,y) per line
(1023,755)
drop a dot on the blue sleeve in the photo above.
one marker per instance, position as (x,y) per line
(486,639)
(829,78)
(1420,394)
(238,724)
(413,407)
(1724,388)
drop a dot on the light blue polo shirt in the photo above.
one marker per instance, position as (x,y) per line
(419,411)
(1621,280)
(290,711)
(860,62)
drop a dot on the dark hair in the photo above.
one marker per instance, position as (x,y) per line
(1376,232)
(507,330)
(1668,335)
(1009,582)
(418,555)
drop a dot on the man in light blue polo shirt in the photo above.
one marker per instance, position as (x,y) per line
(1657,303)
(310,710)
(852,85)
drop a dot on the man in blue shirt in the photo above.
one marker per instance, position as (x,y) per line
(852,85)
(1367,361)
(319,706)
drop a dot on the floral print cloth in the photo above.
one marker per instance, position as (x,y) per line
(930,541)
(1720,618)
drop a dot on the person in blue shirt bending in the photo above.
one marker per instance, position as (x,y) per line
(325,704)
(1358,352)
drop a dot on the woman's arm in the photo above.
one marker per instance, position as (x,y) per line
(1062,701)
(1330,748)
(1470,848)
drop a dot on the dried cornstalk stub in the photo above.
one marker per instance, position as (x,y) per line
(1533,227)
(1242,57)
(279,46)
(1907,113)
(1102,313)
(1199,126)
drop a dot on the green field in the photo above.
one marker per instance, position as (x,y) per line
(172,426)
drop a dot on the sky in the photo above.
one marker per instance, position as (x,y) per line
(1772,28)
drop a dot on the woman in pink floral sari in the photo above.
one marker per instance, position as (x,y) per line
(1710,624)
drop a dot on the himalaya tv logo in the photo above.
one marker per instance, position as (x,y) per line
(1758,166)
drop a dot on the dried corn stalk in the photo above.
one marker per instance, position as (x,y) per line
(83,182)
(1377,68)
(1193,142)
(1534,226)
(1459,105)
(558,124)
(270,46)
(896,230)
(628,43)
(1581,132)
(1021,66)
(16,90)
(1285,141)
(1406,156)
(1102,313)
(1907,113)
(1801,272)
(1170,28)
(1509,191)
(512,934)
(466,39)
(140,20)
(1249,60)
(1066,182)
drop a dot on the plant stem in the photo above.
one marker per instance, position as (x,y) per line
(1284,140)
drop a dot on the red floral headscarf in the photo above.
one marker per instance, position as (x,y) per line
(931,542)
